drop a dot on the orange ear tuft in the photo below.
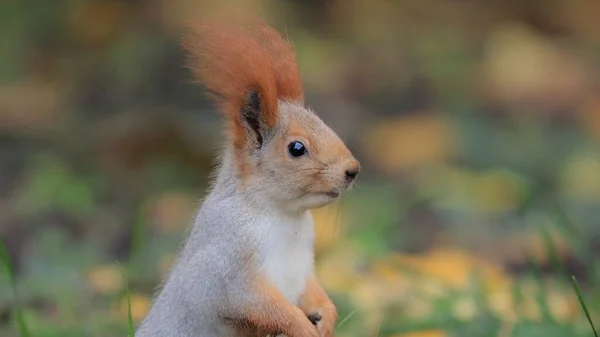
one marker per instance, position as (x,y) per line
(287,73)
(230,63)
(236,57)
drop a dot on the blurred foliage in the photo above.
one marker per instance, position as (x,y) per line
(477,123)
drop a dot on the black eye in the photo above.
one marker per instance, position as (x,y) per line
(296,149)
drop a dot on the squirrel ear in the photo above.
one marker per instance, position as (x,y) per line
(255,119)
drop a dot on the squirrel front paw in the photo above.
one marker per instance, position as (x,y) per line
(324,320)
(308,330)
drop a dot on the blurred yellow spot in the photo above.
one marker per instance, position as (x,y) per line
(411,141)
(424,333)
(431,288)
(418,308)
(328,226)
(453,267)
(521,64)
(106,279)
(531,309)
(581,178)
(464,309)
(395,280)
(165,264)
(563,306)
(502,304)
(507,328)
(172,211)
(496,190)
(370,293)
(373,321)
(538,246)
(337,269)
(140,305)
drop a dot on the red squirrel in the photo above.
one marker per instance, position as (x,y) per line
(247,267)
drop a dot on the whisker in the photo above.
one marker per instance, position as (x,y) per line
(342,216)
(335,225)
(309,169)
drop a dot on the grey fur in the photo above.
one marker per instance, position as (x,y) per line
(268,217)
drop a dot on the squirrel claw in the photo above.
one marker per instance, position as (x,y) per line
(315,318)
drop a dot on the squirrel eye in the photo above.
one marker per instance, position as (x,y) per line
(296,149)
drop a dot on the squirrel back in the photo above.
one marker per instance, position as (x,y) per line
(247,268)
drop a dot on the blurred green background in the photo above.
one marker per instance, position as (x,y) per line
(477,123)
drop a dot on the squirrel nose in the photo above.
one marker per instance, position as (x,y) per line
(352,172)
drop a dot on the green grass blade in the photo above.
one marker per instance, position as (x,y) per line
(7,265)
(346,319)
(5,259)
(379,329)
(583,305)
(552,252)
(540,294)
(127,293)
(137,237)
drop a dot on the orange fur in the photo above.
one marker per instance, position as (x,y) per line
(315,299)
(272,314)
(232,57)
(281,51)
(230,63)
(287,73)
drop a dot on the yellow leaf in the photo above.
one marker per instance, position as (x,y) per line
(140,305)
(105,279)
(563,306)
(390,274)
(491,191)
(371,293)
(424,333)
(524,66)
(432,288)
(411,141)
(502,304)
(464,308)
(419,308)
(581,178)
(454,267)
(531,309)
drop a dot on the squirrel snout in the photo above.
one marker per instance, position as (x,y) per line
(352,171)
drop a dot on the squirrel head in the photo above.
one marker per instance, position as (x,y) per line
(282,150)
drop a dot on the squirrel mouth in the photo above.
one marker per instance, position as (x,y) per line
(332,194)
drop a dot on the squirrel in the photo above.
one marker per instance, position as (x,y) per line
(247,265)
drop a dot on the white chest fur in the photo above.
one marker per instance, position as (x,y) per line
(288,254)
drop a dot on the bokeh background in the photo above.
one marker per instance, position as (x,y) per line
(477,123)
